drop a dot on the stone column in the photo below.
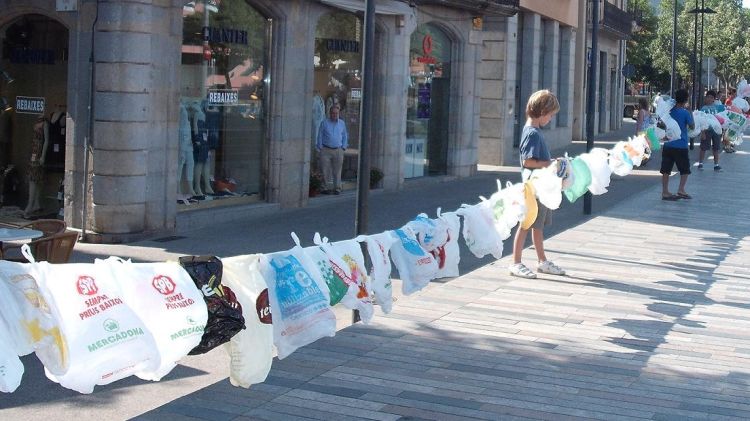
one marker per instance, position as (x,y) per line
(137,61)
(566,76)
(550,59)
(492,72)
(530,42)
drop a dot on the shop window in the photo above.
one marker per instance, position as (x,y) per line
(428,103)
(33,99)
(338,81)
(223,101)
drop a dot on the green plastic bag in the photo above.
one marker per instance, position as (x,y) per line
(653,140)
(581,180)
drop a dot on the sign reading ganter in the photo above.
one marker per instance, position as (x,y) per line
(30,104)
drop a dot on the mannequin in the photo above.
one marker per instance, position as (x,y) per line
(39,144)
(200,153)
(185,156)
(318,114)
(213,123)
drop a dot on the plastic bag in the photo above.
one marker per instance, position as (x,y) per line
(224,311)
(508,208)
(11,368)
(12,319)
(29,317)
(741,103)
(548,186)
(713,123)
(434,235)
(360,295)
(105,339)
(165,295)
(299,300)
(416,267)
(653,138)
(619,161)
(599,168)
(582,180)
(251,349)
(479,231)
(334,271)
(378,248)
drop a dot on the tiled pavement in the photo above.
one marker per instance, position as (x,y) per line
(652,322)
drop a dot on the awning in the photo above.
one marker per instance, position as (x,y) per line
(382,7)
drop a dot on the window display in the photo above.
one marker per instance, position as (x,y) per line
(427,116)
(222,124)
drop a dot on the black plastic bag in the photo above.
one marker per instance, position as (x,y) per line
(224,311)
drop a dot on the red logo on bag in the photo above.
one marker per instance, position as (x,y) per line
(86,285)
(263,307)
(163,284)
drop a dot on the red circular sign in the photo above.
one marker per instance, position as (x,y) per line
(427,45)
(163,284)
(86,285)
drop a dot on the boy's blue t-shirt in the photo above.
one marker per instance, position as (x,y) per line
(683,117)
(713,108)
(532,146)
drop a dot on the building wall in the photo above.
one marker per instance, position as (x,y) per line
(562,11)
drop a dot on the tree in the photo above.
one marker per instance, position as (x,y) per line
(725,39)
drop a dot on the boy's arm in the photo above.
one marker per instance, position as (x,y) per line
(533,163)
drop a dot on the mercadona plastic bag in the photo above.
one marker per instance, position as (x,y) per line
(251,349)
(508,208)
(163,294)
(224,311)
(30,320)
(299,300)
(547,186)
(12,319)
(359,296)
(416,267)
(105,339)
(378,249)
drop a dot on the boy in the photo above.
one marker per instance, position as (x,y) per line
(540,109)
(675,152)
(709,138)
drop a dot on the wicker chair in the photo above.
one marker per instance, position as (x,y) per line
(56,248)
(48,227)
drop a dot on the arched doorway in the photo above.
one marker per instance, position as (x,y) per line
(337,80)
(33,115)
(428,103)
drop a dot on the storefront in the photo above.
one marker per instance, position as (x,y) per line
(428,106)
(33,117)
(224,89)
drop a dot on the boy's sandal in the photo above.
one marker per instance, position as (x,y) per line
(671,198)
(684,196)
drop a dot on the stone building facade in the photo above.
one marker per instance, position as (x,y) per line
(180,114)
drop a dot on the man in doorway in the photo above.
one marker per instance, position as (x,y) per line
(331,143)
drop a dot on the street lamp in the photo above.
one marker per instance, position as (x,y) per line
(703,11)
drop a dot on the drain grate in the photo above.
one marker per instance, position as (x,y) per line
(168,239)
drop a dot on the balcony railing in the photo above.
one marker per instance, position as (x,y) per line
(482,7)
(613,20)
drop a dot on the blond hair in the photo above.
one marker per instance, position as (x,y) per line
(542,103)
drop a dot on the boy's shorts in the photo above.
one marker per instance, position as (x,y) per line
(711,139)
(675,156)
(543,216)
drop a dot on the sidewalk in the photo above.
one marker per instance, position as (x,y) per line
(652,322)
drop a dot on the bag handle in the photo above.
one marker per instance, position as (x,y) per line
(26,252)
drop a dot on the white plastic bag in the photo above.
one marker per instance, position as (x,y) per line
(105,339)
(508,208)
(416,267)
(251,349)
(333,270)
(448,255)
(547,186)
(619,161)
(11,368)
(378,248)
(164,295)
(35,326)
(299,300)
(479,231)
(601,172)
(359,296)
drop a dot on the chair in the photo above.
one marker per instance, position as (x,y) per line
(48,227)
(56,248)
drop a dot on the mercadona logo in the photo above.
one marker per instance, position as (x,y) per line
(111,325)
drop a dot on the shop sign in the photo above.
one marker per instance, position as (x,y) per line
(343,45)
(30,105)
(224,35)
(223,97)
(427,58)
(356,93)
(32,56)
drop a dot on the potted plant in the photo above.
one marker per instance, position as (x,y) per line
(375,176)
(316,183)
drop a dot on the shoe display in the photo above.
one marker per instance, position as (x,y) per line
(550,268)
(520,270)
